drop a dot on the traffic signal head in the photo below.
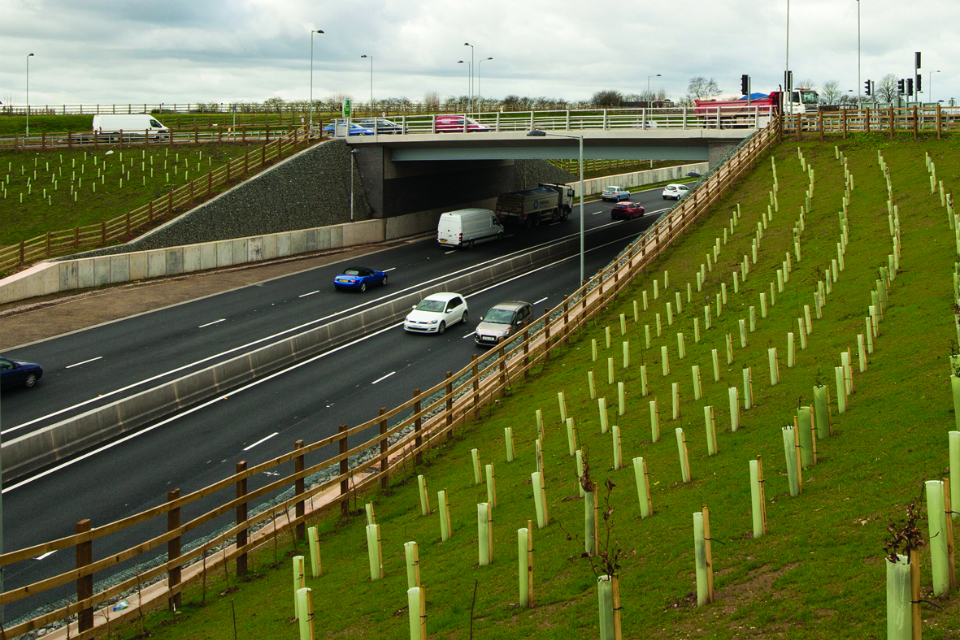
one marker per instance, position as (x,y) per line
(866,87)
(900,87)
(745,84)
(909,86)
(919,86)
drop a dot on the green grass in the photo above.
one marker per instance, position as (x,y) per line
(76,172)
(818,573)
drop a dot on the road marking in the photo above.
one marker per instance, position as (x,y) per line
(596,213)
(308,294)
(383,378)
(472,333)
(212,323)
(389,270)
(261,441)
(70,366)
(541,300)
(449,252)
(46,555)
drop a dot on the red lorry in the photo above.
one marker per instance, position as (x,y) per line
(731,111)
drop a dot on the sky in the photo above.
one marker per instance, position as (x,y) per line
(178,51)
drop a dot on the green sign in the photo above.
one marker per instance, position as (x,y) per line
(345,108)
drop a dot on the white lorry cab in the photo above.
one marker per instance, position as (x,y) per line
(465,227)
(134,125)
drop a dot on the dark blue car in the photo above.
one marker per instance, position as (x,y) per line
(358,279)
(355,130)
(15,374)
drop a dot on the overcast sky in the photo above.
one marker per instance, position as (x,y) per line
(122,51)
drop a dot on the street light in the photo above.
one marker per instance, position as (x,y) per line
(540,133)
(312,31)
(480,68)
(29,55)
(371,85)
(467,44)
(786,75)
(648,84)
(930,84)
(469,77)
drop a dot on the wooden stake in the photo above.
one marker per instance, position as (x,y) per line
(948,519)
(763,497)
(916,629)
(709,553)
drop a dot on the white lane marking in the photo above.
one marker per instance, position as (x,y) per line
(390,269)
(541,300)
(309,294)
(210,324)
(261,441)
(383,378)
(296,328)
(596,213)
(449,252)
(70,366)
(469,335)
(46,555)
(255,383)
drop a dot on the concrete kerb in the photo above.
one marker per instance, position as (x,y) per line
(47,446)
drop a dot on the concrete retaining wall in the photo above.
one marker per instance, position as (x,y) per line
(641,178)
(48,445)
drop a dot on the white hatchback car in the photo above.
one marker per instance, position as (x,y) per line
(675,191)
(615,194)
(436,312)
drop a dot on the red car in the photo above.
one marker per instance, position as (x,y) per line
(454,124)
(626,211)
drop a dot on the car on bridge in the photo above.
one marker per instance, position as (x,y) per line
(358,279)
(15,374)
(455,124)
(436,312)
(381,125)
(502,321)
(675,191)
(337,128)
(615,194)
(626,211)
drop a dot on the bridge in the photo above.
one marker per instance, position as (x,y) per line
(430,163)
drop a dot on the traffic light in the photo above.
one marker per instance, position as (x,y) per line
(919,86)
(745,84)
(916,60)
(909,86)
(866,87)
(900,88)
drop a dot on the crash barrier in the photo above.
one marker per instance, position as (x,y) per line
(915,119)
(641,178)
(65,241)
(425,422)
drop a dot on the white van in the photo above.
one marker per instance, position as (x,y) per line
(134,125)
(465,227)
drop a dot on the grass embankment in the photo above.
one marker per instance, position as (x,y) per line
(819,572)
(69,178)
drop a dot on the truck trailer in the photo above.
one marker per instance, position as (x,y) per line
(753,111)
(530,207)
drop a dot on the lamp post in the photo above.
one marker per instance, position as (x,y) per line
(648,84)
(312,31)
(371,84)
(469,77)
(479,69)
(788,91)
(467,44)
(29,55)
(541,133)
(930,84)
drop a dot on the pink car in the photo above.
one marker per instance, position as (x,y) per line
(454,124)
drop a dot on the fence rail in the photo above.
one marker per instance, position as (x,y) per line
(889,120)
(424,421)
(102,234)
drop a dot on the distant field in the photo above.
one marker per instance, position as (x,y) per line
(819,572)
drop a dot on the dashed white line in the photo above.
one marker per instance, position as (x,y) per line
(449,252)
(70,366)
(541,300)
(390,269)
(469,335)
(212,323)
(383,378)
(308,294)
(261,441)
(46,555)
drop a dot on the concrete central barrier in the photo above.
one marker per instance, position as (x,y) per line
(48,445)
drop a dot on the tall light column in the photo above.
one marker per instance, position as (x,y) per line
(788,93)
(467,44)
(479,68)
(648,84)
(469,80)
(371,85)
(312,31)
(29,55)
(859,84)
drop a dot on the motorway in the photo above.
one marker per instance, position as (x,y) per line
(262,419)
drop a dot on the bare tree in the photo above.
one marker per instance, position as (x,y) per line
(887,88)
(608,98)
(431,100)
(806,83)
(830,92)
(700,87)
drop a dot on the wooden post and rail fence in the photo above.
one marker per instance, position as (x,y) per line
(427,420)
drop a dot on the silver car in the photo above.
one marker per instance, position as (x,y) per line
(675,191)
(615,194)
(502,321)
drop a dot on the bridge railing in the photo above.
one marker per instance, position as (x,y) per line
(915,119)
(754,117)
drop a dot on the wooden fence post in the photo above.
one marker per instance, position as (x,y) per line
(243,135)
(170,203)
(128,222)
(48,244)
(566,320)
(344,470)
(85,583)
(173,552)
(76,237)
(43,140)
(891,122)
(526,351)
(915,122)
(103,232)
(196,136)
(263,156)
(21,252)
(246,163)
(384,445)
(150,212)
(503,368)
(866,120)
(418,425)
(279,149)
(69,140)
(241,519)
(843,118)
(299,488)
(449,405)
(209,183)
(266,123)
(228,171)
(546,325)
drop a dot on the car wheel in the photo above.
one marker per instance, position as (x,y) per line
(363,287)
(463,318)
(442,327)
(384,280)
(30,381)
